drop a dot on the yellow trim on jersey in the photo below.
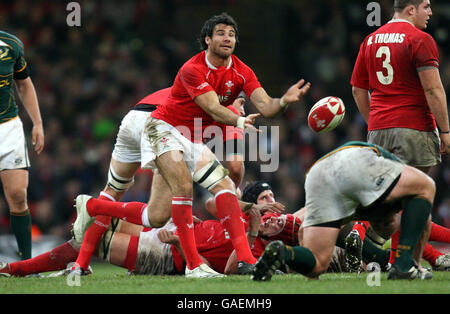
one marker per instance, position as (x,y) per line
(342,148)
(23,68)
(9,38)
(9,120)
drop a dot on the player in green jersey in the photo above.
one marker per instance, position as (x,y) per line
(365,181)
(14,161)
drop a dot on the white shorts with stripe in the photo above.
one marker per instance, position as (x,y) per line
(13,146)
(163,137)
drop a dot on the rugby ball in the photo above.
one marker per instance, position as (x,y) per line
(326,114)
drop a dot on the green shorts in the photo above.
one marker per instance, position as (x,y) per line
(413,147)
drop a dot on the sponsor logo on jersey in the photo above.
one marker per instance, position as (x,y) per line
(203,85)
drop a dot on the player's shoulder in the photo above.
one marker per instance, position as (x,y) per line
(196,62)
(10,40)
(239,64)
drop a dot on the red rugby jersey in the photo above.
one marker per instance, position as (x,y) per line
(196,77)
(159,97)
(214,244)
(387,65)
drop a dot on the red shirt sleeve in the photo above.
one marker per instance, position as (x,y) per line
(251,82)
(360,76)
(194,81)
(425,52)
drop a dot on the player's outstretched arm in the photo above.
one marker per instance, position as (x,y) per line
(270,107)
(209,102)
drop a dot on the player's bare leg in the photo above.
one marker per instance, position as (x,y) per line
(320,241)
(175,171)
(160,202)
(15,183)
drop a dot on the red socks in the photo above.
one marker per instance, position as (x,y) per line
(182,218)
(56,259)
(131,212)
(130,259)
(93,235)
(439,233)
(361,227)
(430,254)
(229,213)
(394,244)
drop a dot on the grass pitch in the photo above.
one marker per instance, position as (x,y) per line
(108,279)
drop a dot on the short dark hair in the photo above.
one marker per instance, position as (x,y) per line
(208,27)
(399,5)
(252,191)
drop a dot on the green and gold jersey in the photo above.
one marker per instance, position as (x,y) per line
(12,66)
(378,149)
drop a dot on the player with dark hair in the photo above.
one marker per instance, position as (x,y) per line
(360,180)
(14,161)
(203,87)
(406,109)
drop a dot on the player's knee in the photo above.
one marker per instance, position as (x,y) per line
(225,184)
(17,197)
(428,189)
(158,221)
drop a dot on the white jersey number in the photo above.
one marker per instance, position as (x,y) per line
(385,80)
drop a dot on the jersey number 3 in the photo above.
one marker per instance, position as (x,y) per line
(385,79)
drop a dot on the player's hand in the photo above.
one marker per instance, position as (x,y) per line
(37,134)
(166,236)
(254,220)
(250,121)
(445,143)
(238,104)
(296,91)
(272,207)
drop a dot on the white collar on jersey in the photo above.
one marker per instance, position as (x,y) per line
(213,67)
(400,20)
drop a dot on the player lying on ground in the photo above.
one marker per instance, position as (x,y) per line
(157,251)
(360,180)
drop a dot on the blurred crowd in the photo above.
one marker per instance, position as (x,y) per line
(88,77)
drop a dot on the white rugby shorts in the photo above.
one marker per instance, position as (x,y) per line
(161,137)
(128,146)
(13,146)
(337,184)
